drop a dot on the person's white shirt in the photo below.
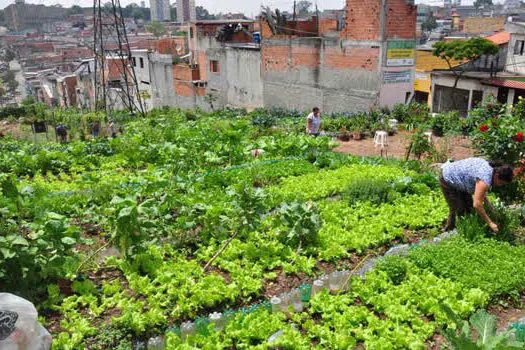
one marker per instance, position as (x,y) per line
(315,122)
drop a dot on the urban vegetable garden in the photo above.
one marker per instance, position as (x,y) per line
(234,230)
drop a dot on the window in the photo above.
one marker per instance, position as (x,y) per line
(141,62)
(134,60)
(214,67)
(518,47)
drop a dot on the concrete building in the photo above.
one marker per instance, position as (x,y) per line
(477,25)
(370,63)
(160,10)
(512,4)
(21,16)
(500,77)
(154,74)
(227,71)
(186,11)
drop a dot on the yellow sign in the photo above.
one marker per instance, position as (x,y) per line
(401,53)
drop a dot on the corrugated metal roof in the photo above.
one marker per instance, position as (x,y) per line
(499,38)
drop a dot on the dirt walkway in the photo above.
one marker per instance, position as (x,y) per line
(457,147)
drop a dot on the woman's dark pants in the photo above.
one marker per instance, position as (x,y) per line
(459,202)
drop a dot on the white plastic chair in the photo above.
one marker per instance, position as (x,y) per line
(429,135)
(381,139)
(392,123)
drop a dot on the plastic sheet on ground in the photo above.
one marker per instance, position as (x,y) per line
(19,328)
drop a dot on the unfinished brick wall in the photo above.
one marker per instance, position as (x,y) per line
(400,20)
(305,56)
(362,19)
(352,58)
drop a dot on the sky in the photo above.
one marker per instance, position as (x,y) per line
(249,7)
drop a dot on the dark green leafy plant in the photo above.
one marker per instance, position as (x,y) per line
(375,191)
(395,267)
(472,227)
(462,338)
(299,224)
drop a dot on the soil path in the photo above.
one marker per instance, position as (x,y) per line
(457,147)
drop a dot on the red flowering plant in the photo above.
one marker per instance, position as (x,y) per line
(485,114)
(501,139)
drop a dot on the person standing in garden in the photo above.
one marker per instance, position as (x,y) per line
(313,122)
(113,129)
(61,131)
(472,177)
(95,128)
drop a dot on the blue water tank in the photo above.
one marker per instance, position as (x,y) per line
(257,37)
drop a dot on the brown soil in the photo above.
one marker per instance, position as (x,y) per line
(457,147)
(507,312)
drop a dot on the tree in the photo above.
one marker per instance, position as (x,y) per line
(303,8)
(203,14)
(8,55)
(9,80)
(429,25)
(156,28)
(137,13)
(482,3)
(75,10)
(3,92)
(463,50)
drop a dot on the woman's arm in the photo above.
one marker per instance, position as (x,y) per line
(479,198)
(489,204)
(308,124)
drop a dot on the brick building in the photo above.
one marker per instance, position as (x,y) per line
(369,63)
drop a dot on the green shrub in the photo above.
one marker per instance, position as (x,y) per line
(472,227)
(375,191)
(395,267)
(493,266)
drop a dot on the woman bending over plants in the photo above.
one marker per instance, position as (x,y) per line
(473,176)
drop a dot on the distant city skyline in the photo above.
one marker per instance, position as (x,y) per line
(213,6)
(249,8)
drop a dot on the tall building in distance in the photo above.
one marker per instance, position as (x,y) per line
(186,11)
(512,4)
(160,10)
(21,16)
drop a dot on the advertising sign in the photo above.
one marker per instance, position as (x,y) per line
(396,77)
(401,53)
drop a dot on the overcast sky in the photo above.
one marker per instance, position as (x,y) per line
(249,7)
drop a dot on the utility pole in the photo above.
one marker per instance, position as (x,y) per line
(294,10)
(317,21)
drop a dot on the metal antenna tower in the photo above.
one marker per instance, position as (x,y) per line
(116,84)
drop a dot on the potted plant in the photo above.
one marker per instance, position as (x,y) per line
(357,133)
(344,135)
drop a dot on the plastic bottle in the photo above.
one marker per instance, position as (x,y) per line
(187,329)
(335,282)
(296,301)
(157,343)
(306,292)
(201,325)
(286,301)
(317,287)
(216,318)
(276,304)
